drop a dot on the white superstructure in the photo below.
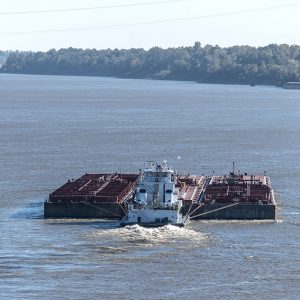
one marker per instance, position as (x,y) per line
(156,201)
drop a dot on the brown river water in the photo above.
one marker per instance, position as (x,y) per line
(55,128)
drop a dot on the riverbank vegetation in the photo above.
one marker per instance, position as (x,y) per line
(272,64)
(3,57)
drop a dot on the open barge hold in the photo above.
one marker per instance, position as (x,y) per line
(233,196)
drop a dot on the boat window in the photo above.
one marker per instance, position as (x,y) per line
(168,191)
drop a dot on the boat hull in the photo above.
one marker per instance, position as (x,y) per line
(151,225)
(150,217)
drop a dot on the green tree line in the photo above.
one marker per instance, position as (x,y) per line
(273,64)
(3,57)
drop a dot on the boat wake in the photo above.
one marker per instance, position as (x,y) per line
(166,235)
(33,210)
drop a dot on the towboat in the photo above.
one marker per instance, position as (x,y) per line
(156,200)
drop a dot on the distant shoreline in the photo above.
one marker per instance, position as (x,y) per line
(272,65)
(131,78)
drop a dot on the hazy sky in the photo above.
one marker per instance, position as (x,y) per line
(145,23)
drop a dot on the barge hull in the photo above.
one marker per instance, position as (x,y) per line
(242,211)
(101,210)
(116,211)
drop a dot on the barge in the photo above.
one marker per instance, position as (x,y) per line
(237,196)
(112,196)
(92,196)
(292,85)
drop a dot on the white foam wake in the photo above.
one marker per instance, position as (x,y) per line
(152,236)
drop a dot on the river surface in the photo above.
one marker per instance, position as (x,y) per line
(55,128)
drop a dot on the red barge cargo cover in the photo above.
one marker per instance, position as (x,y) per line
(96,188)
(239,188)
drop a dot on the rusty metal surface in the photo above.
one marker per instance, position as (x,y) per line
(239,188)
(95,188)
